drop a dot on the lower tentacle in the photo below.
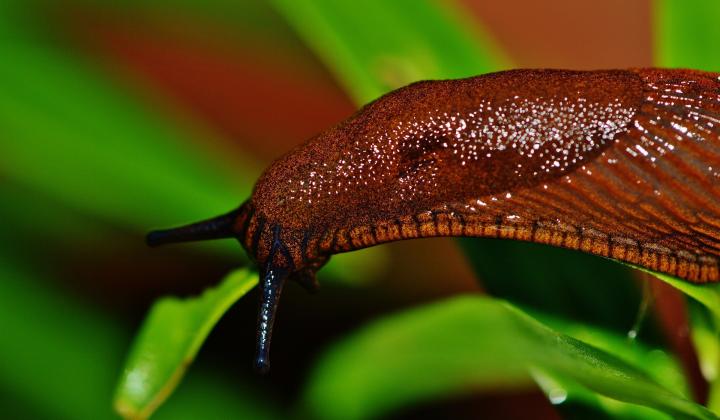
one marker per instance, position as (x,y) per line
(272,281)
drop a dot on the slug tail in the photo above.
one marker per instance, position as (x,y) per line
(216,228)
(272,280)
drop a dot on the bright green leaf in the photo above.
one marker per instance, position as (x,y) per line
(607,373)
(168,342)
(687,34)
(384,45)
(466,344)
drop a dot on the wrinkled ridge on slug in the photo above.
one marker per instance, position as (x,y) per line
(623,164)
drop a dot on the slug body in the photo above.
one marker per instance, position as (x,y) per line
(623,164)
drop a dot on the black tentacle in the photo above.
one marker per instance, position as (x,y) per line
(216,228)
(272,280)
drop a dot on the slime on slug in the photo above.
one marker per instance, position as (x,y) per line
(624,164)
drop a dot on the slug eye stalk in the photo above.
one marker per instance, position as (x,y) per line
(272,280)
(220,227)
(273,275)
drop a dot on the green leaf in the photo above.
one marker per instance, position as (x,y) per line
(384,45)
(72,134)
(168,342)
(469,344)
(686,34)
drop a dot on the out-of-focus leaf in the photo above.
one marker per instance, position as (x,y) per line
(168,342)
(69,132)
(384,45)
(686,34)
(410,356)
(466,344)
(22,210)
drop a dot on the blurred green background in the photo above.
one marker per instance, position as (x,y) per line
(119,118)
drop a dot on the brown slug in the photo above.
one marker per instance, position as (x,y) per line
(624,164)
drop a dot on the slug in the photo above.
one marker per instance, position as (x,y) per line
(623,164)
